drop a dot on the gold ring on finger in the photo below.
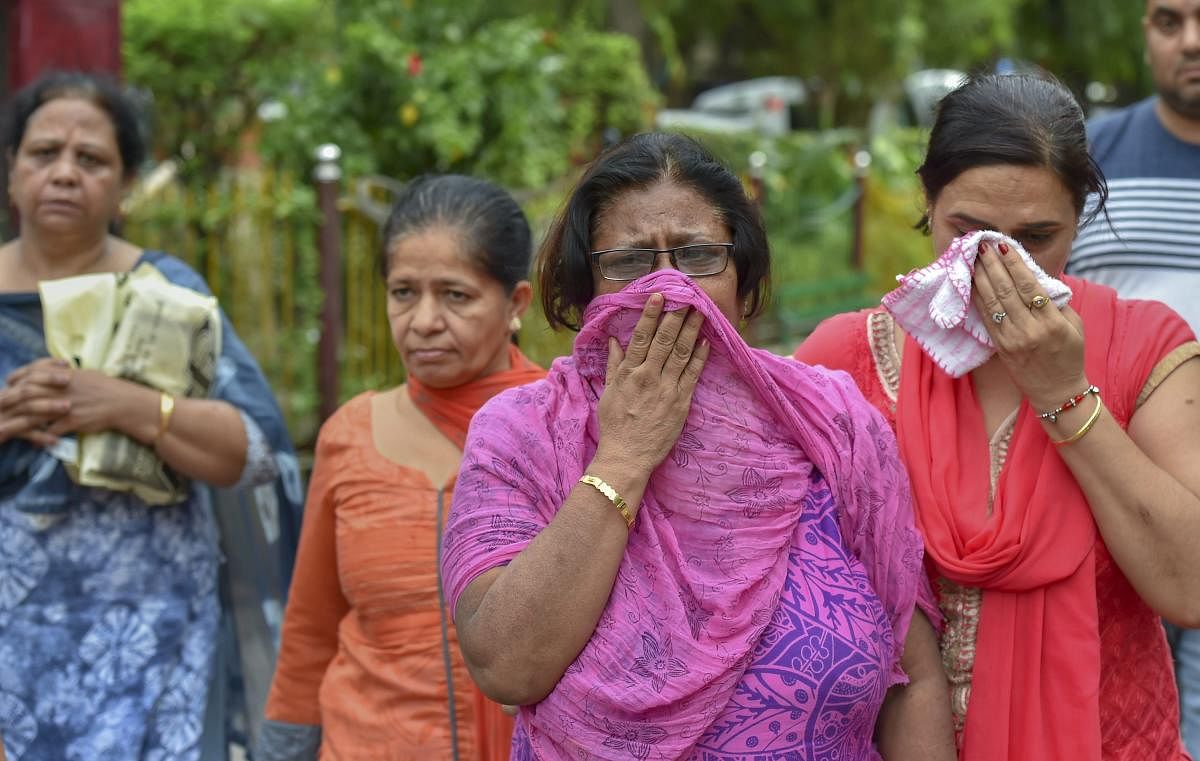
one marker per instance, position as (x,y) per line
(1039,302)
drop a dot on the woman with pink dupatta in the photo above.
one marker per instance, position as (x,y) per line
(1055,480)
(676,546)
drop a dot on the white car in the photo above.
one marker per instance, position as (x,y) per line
(762,105)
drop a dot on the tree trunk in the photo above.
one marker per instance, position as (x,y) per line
(626,17)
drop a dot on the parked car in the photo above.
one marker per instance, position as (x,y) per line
(772,105)
(914,107)
(762,105)
(924,89)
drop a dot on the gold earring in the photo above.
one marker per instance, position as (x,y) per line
(514,324)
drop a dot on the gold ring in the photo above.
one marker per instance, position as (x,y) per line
(1038,302)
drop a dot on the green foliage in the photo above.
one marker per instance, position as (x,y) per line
(208,64)
(509,100)
(853,52)
(1085,40)
(967,36)
(894,205)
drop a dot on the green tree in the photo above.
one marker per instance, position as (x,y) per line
(410,90)
(208,65)
(1086,40)
(854,51)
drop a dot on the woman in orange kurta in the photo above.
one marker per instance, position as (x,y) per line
(369,666)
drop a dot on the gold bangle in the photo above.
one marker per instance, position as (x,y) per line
(612,495)
(166,408)
(1091,421)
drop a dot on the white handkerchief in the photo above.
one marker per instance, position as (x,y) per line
(933,304)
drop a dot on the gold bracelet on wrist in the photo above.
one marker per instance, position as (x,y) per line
(1087,426)
(611,494)
(166,408)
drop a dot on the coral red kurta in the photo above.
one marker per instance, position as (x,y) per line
(1138,704)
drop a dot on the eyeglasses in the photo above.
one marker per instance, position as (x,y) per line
(695,260)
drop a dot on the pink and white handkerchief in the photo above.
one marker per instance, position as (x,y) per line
(933,304)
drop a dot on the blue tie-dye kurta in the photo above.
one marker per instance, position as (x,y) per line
(109,608)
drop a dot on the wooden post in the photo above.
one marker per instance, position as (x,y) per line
(758,183)
(862,168)
(328,176)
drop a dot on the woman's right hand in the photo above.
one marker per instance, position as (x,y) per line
(32,399)
(649,386)
(520,634)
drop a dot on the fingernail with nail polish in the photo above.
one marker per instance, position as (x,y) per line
(1003,249)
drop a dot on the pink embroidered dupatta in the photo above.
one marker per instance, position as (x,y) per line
(707,558)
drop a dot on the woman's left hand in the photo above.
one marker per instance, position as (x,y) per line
(88,398)
(1042,347)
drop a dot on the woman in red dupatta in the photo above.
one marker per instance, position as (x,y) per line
(369,665)
(1056,540)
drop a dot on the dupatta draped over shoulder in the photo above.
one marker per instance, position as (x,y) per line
(1036,682)
(707,557)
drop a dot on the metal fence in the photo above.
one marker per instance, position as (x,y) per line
(254,237)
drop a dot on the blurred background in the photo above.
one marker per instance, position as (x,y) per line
(280,128)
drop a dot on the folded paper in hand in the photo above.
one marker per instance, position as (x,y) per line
(933,304)
(140,327)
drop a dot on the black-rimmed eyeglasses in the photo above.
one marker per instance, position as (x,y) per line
(693,260)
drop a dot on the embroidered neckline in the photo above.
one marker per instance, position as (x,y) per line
(881,333)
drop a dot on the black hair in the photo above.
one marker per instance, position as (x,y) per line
(493,227)
(1028,120)
(98,89)
(564,261)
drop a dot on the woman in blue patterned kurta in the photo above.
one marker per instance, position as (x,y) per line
(109,610)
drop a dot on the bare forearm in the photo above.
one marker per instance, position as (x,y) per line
(1149,520)
(914,722)
(206,439)
(538,613)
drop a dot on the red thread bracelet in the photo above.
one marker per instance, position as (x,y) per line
(1074,401)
